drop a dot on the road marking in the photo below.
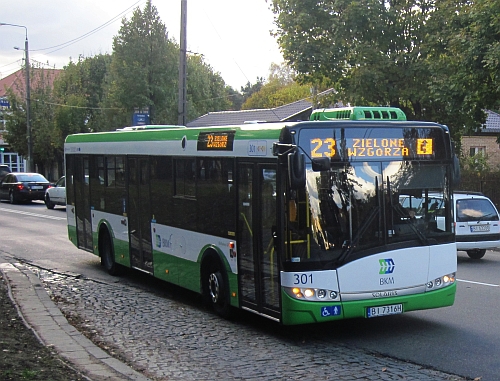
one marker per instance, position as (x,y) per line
(32,214)
(480,283)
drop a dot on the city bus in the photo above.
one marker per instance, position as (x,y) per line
(298,222)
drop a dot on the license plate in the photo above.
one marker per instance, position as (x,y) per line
(391,309)
(480,228)
(36,187)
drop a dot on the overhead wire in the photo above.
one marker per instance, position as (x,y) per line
(93,31)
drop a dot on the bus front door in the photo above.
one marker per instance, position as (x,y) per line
(139,214)
(258,265)
(80,168)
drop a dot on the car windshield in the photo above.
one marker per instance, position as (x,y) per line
(476,210)
(32,177)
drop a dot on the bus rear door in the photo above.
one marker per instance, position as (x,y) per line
(78,167)
(139,214)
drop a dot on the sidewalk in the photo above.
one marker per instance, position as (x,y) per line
(52,329)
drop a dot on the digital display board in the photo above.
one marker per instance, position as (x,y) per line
(374,143)
(216,141)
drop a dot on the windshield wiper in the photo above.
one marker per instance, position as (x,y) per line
(361,231)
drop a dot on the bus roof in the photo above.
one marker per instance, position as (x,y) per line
(167,132)
(359,113)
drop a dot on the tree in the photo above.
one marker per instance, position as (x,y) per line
(144,68)
(80,93)
(206,90)
(279,89)
(249,88)
(43,132)
(274,94)
(418,55)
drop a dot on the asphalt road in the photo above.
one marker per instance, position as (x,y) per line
(462,339)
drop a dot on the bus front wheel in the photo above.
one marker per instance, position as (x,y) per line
(216,288)
(476,254)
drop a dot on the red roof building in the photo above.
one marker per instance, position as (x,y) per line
(17,81)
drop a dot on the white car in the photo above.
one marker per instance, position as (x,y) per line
(56,195)
(477,226)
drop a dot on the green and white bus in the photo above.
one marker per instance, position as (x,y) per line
(298,222)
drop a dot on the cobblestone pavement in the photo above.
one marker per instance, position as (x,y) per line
(170,340)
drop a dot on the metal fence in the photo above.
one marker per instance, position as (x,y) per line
(488,184)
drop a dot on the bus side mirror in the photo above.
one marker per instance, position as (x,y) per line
(296,170)
(455,171)
(321,164)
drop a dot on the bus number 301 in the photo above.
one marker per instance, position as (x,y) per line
(303,278)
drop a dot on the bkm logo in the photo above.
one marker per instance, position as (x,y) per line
(386,266)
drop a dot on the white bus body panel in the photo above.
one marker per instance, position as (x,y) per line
(405,271)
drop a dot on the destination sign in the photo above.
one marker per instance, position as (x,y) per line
(216,141)
(370,147)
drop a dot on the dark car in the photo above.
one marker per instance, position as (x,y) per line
(23,186)
(4,171)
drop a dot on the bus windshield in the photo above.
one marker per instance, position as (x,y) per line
(360,208)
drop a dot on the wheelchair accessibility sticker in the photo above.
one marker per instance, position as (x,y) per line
(331,311)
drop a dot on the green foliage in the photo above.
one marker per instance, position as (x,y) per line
(250,89)
(274,94)
(476,164)
(80,90)
(144,69)
(46,145)
(437,60)
(16,127)
(206,89)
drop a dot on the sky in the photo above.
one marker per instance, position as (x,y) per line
(232,35)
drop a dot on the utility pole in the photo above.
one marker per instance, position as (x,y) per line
(29,161)
(28,108)
(182,67)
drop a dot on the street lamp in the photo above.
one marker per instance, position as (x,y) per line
(28,98)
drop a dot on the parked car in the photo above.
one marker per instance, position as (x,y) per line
(56,195)
(4,171)
(477,224)
(23,186)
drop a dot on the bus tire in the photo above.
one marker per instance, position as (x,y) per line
(107,254)
(476,253)
(216,287)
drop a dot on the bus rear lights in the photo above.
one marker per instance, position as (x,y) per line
(232,249)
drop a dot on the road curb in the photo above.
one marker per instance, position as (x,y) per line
(41,315)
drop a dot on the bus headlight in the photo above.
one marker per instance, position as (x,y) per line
(308,293)
(312,294)
(441,282)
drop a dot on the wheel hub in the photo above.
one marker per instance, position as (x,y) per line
(213,286)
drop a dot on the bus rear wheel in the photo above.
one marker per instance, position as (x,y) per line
(108,255)
(216,289)
(476,254)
